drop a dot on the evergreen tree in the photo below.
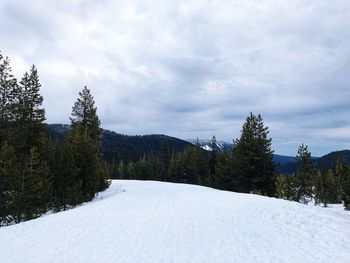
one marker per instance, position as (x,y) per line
(225,172)
(325,187)
(164,158)
(143,169)
(121,170)
(30,116)
(33,188)
(304,175)
(195,166)
(66,184)
(156,168)
(22,126)
(86,160)
(285,186)
(253,164)
(176,168)
(9,170)
(213,161)
(8,98)
(339,170)
(346,188)
(131,171)
(84,113)
(27,186)
(85,135)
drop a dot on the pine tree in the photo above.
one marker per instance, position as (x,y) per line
(8,98)
(33,188)
(339,170)
(176,168)
(155,167)
(143,169)
(131,171)
(285,186)
(325,187)
(224,171)
(195,168)
(85,135)
(86,160)
(164,157)
(22,127)
(121,170)
(304,175)
(9,170)
(84,113)
(30,115)
(66,184)
(213,161)
(105,173)
(253,158)
(346,188)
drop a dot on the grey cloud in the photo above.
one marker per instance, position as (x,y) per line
(192,68)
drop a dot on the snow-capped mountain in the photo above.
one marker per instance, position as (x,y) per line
(205,144)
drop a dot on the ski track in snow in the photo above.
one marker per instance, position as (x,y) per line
(145,221)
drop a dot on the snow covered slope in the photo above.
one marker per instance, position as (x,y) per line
(137,221)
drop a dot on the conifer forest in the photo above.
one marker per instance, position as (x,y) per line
(38,174)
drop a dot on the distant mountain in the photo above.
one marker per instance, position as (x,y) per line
(115,146)
(326,160)
(281,159)
(57,131)
(205,144)
(124,147)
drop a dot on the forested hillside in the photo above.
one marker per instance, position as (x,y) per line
(326,161)
(115,146)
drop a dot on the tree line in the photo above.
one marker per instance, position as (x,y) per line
(321,185)
(248,168)
(38,174)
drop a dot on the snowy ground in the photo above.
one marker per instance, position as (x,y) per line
(135,221)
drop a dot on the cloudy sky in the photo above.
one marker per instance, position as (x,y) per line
(192,68)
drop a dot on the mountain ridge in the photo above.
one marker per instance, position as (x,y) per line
(116,146)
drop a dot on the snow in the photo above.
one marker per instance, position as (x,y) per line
(205,144)
(146,221)
(206,147)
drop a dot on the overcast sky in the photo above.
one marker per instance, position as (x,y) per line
(192,68)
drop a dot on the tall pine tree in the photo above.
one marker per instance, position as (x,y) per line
(213,158)
(8,98)
(84,113)
(346,188)
(85,135)
(304,175)
(324,188)
(164,158)
(253,158)
(30,115)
